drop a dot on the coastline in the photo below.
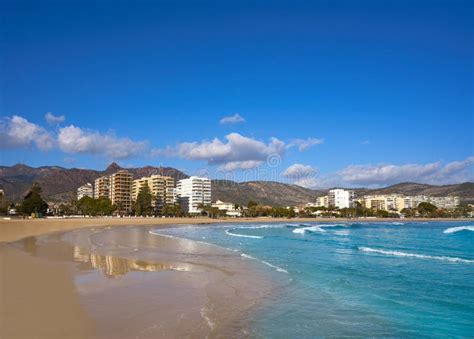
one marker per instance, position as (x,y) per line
(16,229)
(122,282)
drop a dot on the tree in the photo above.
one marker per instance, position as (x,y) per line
(252,204)
(33,203)
(4,204)
(426,209)
(172,210)
(87,205)
(142,205)
(103,206)
(408,212)
(100,206)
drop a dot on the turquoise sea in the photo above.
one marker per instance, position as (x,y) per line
(398,279)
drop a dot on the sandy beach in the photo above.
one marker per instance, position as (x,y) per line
(123,282)
(113,278)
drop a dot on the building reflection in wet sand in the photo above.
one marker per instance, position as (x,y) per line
(112,266)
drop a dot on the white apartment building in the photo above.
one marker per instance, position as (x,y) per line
(447,202)
(192,192)
(397,202)
(228,207)
(85,191)
(341,198)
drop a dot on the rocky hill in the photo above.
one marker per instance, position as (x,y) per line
(263,192)
(60,183)
(464,190)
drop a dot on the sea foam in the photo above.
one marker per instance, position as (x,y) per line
(317,228)
(277,268)
(458,229)
(414,255)
(229,232)
(303,230)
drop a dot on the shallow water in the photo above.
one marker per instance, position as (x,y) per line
(124,282)
(357,279)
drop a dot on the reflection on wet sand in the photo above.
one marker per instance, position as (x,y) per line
(112,266)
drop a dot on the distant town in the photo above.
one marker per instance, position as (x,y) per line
(157,195)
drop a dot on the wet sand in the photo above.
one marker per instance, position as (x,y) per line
(124,282)
(15,229)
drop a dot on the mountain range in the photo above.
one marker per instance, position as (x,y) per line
(60,183)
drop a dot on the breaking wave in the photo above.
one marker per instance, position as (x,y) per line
(303,230)
(229,232)
(317,228)
(414,255)
(458,229)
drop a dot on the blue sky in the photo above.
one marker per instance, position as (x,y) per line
(339,92)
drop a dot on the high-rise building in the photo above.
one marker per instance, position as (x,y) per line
(161,189)
(102,187)
(384,202)
(341,198)
(121,191)
(322,201)
(85,191)
(192,192)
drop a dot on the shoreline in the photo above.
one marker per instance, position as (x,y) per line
(171,286)
(17,229)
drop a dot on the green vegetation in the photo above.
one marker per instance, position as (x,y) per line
(142,205)
(4,204)
(33,203)
(426,209)
(90,206)
(172,210)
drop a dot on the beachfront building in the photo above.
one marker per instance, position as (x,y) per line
(384,202)
(229,207)
(447,202)
(322,201)
(398,202)
(193,192)
(86,190)
(161,188)
(341,198)
(102,187)
(121,191)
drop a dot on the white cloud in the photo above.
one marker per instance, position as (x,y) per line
(302,175)
(307,182)
(299,171)
(365,142)
(54,119)
(236,152)
(234,165)
(17,132)
(304,144)
(73,139)
(388,174)
(233,119)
